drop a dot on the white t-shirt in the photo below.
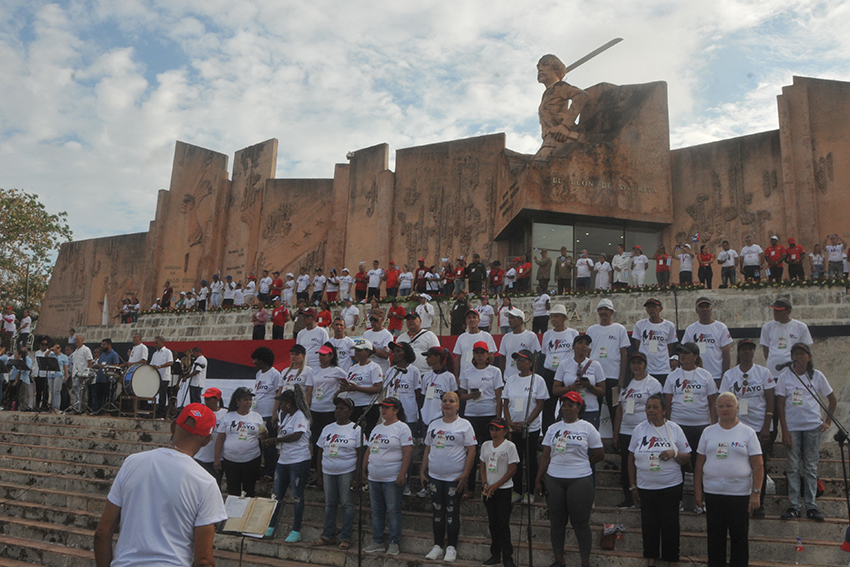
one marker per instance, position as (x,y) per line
(80,359)
(402,384)
(344,351)
(422,341)
(312,340)
(303,282)
(432,281)
(751,403)
(606,345)
(345,285)
(690,390)
(265,389)
(727,257)
(487,380)
(26,323)
(515,394)
(160,357)
(485,315)
(583,267)
(289,377)
(348,314)
(238,297)
(539,305)
(568,373)
(802,412)
(639,264)
(515,342)
(157,484)
(200,379)
(448,442)
(557,347)
(207,452)
(375,277)
(385,450)
(325,387)
(686,262)
(405,280)
(647,444)
(603,275)
(633,402)
(333,284)
(503,315)
(817,259)
(433,386)
(365,376)
(380,339)
(216,287)
(297,451)
(139,353)
(426,314)
(9,323)
(241,436)
(250,288)
(711,339)
(510,277)
(750,254)
(464,343)
(834,252)
(319,283)
(727,468)
(653,339)
(339,444)
(779,338)
(229,288)
(497,460)
(569,445)
(265,285)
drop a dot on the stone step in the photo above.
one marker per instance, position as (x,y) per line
(83,470)
(86,432)
(120,446)
(51,497)
(107,458)
(53,481)
(48,419)
(46,554)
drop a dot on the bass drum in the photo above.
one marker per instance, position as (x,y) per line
(142,381)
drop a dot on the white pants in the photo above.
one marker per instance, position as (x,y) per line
(638,278)
(215,300)
(54,386)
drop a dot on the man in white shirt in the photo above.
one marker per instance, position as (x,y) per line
(138,352)
(350,314)
(609,343)
(161,361)
(557,347)
(620,264)
(380,339)
(216,292)
(639,264)
(426,311)
(311,337)
(376,274)
(265,287)
(197,377)
(656,338)
(515,341)
(728,260)
(302,284)
(81,360)
(713,339)
(25,329)
(345,283)
(834,247)
(685,256)
(778,336)
(584,269)
(420,339)
(485,314)
(229,290)
(249,291)
(752,257)
(540,314)
(165,503)
(463,345)
(319,282)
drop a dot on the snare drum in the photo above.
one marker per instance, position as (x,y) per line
(87,376)
(142,381)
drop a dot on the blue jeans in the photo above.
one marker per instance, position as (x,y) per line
(386,503)
(805,446)
(338,491)
(296,476)
(270,454)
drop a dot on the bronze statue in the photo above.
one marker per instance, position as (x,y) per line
(559,108)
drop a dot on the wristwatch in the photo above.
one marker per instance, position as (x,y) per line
(756,491)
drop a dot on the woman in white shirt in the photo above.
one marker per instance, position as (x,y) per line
(817,266)
(237,448)
(339,453)
(387,460)
(657,450)
(603,270)
(402,381)
(436,382)
(325,380)
(570,449)
(266,387)
(293,466)
(636,390)
(364,382)
(449,457)
(481,388)
(503,315)
(405,282)
(728,472)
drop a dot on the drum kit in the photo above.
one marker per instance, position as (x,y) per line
(140,381)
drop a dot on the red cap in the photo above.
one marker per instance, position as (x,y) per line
(482,345)
(325,349)
(791,240)
(212,393)
(517,259)
(422,260)
(251,277)
(203,416)
(392,263)
(309,312)
(573,396)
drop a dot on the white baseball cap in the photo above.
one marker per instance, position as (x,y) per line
(516,312)
(557,309)
(606,303)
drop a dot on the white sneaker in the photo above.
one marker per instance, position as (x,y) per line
(423,494)
(528,499)
(407,491)
(451,554)
(516,497)
(698,510)
(435,553)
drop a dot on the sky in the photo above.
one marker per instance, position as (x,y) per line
(94,94)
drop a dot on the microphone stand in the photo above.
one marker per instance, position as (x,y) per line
(526,473)
(841,437)
(361,421)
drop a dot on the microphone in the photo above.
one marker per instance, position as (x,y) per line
(784,365)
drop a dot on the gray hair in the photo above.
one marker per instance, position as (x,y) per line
(729,395)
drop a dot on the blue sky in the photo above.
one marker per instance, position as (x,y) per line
(94,94)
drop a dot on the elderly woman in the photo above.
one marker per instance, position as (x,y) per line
(603,270)
(728,472)
(802,427)
(657,450)
(449,457)
(237,447)
(570,449)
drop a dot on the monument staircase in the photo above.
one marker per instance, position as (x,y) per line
(55,473)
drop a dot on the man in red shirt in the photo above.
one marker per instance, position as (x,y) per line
(497,277)
(460,275)
(361,283)
(391,279)
(419,276)
(794,255)
(662,266)
(276,287)
(324,318)
(396,317)
(279,318)
(523,273)
(775,256)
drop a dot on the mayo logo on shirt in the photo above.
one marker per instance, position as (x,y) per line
(336,438)
(612,338)
(654,443)
(448,434)
(687,385)
(751,388)
(651,335)
(703,338)
(738,445)
(243,425)
(558,344)
(632,393)
(262,386)
(378,438)
(569,435)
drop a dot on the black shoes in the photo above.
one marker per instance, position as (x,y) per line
(815,515)
(758,513)
(790,514)
(494,560)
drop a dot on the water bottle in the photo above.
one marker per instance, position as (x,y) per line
(798,552)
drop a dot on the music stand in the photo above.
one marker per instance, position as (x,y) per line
(47,363)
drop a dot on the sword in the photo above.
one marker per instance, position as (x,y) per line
(594,53)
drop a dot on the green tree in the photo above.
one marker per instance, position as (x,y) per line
(29,240)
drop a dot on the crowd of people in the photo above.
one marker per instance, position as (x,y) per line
(522,420)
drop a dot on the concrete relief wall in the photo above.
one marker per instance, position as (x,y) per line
(252,166)
(369,198)
(445,199)
(294,224)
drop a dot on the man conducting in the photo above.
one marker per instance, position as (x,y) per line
(165,503)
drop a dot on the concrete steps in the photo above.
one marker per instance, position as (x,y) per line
(55,472)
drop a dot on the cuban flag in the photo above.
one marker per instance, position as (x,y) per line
(695,238)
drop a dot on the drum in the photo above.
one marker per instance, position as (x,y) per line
(87,376)
(142,381)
